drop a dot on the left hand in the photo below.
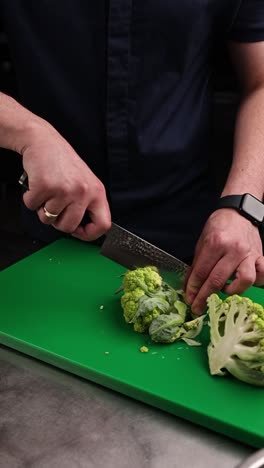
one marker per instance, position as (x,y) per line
(229,245)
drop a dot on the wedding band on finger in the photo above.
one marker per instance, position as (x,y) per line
(49,214)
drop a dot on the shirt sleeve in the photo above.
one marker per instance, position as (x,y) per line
(248,24)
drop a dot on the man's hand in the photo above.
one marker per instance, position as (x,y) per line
(64,184)
(229,246)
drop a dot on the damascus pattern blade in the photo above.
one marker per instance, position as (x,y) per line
(131,251)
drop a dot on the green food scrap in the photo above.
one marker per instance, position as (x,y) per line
(144,349)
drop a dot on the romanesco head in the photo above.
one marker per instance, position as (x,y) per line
(258,310)
(257,316)
(237,298)
(129,303)
(166,328)
(142,323)
(146,278)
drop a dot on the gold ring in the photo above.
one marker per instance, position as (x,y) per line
(48,214)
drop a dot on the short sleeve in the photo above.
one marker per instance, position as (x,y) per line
(248,24)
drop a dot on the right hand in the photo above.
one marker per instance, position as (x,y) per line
(64,184)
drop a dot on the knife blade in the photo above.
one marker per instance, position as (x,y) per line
(131,251)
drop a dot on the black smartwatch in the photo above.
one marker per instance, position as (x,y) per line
(247,205)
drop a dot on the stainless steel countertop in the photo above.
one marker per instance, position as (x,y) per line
(52,419)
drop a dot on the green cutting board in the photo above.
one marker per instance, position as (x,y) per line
(51,309)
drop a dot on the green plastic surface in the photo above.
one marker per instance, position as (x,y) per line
(50,309)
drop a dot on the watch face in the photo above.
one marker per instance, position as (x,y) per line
(253,207)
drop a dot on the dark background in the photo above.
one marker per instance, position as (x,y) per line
(14,243)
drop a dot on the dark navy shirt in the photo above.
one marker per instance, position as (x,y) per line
(127,83)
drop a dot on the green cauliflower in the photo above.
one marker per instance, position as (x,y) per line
(166,328)
(146,296)
(192,329)
(129,303)
(172,327)
(236,338)
(147,278)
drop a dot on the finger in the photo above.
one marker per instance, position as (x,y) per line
(100,223)
(70,218)
(34,199)
(92,231)
(198,249)
(245,277)
(187,276)
(201,268)
(260,271)
(54,207)
(215,282)
(191,265)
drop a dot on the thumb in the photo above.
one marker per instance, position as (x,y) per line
(260,271)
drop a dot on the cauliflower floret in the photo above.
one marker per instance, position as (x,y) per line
(146,297)
(146,278)
(142,323)
(129,303)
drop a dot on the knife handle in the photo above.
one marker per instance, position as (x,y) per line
(23,180)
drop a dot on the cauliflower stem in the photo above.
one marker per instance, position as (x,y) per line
(236,338)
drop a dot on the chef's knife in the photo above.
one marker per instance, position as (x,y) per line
(132,251)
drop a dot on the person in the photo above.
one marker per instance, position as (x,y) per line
(113,120)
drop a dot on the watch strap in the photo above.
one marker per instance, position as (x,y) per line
(246,204)
(230,201)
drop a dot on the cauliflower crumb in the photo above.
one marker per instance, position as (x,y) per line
(101,307)
(144,349)
(106,352)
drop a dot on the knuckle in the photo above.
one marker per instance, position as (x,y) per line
(217,281)
(239,248)
(67,228)
(105,225)
(29,203)
(69,222)
(63,191)
(44,219)
(247,278)
(82,188)
(218,240)
(99,190)
(247,282)
(260,264)
(199,305)
(45,184)
(96,190)
(201,274)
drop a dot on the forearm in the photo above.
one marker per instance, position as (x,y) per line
(247,169)
(17,124)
